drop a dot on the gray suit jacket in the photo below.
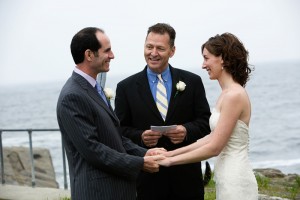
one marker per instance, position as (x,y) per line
(102,163)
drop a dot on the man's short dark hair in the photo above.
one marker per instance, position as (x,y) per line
(83,40)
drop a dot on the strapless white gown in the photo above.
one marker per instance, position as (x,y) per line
(233,173)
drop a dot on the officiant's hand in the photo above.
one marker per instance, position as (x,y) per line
(150,138)
(176,135)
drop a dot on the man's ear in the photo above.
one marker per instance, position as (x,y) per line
(88,55)
(172,51)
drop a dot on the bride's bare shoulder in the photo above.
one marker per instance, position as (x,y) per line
(235,97)
(236,91)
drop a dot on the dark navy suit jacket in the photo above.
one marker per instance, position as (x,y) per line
(102,163)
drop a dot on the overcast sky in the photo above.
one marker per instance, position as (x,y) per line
(35,35)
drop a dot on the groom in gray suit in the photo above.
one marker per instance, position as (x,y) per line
(102,163)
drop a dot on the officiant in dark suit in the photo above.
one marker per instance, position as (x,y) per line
(102,163)
(161,95)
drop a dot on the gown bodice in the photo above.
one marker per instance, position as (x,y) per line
(233,173)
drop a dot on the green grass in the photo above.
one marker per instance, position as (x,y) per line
(210,191)
(262,182)
(278,187)
(65,198)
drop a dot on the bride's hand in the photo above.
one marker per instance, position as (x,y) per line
(165,162)
(168,153)
(155,151)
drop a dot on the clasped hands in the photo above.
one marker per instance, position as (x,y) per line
(156,157)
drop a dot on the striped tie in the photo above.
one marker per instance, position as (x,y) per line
(161,97)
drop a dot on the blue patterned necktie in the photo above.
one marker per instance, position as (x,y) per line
(101,92)
(161,97)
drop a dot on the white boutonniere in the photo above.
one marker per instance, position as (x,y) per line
(180,86)
(109,93)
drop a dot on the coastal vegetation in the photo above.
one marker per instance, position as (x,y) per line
(271,182)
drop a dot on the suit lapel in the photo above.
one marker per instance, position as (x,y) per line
(94,95)
(173,100)
(145,93)
(92,92)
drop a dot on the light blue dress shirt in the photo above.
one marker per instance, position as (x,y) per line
(153,80)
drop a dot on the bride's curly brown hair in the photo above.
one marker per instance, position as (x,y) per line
(235,56)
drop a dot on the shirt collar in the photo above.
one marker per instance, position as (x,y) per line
(87,77)
(153,75)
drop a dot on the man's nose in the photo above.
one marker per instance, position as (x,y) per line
(154,52)
(111,55)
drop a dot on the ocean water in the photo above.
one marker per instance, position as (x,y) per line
(274,127)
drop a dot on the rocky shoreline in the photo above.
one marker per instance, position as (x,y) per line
(273,181)
(273,184)
(17,167)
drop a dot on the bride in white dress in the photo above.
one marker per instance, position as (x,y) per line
(226,60)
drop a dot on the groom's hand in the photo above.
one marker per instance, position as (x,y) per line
(151,163)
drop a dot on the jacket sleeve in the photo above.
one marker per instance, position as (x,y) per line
(85,139)
(122,110)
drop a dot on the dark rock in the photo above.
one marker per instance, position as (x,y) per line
(17,167)
(270,172)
